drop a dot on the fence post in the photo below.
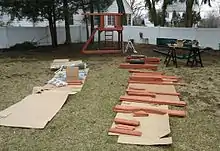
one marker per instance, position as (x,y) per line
(195,33)
(80,33)
(7,38)
(158,36)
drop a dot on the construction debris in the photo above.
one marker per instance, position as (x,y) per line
(146,100)
(38,108)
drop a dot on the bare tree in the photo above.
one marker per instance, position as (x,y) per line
(137,8)
(211,21)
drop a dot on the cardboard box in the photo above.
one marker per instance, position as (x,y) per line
(72,73)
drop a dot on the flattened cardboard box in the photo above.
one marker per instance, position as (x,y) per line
(155,128)
(34,111)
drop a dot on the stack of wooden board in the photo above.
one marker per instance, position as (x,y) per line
(146,77)
(147,104)
(140,62)
(142,59)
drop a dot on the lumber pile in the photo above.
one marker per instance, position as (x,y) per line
(142,59)
(140,62)
(143,115)
(141,77)
(138,66)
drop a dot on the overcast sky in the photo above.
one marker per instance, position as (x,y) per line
(215,8)
(205,9)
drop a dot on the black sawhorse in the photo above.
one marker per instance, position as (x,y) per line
(194,57)
(171,56)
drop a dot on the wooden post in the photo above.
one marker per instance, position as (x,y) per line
(101,21)
(118,21)
(99,39)
(119,40)
(121,43)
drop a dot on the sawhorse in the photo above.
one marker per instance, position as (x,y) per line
(131,46)
(194,57)
(171,55)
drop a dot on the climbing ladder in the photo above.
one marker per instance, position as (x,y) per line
(109,37)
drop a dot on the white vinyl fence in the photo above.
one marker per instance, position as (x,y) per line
(9,36)
(207,37)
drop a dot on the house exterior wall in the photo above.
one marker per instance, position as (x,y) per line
(170,15)
(114,7)
(179,8)
(78,18)
(26,23)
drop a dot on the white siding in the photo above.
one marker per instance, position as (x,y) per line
(78,18)
(114,7)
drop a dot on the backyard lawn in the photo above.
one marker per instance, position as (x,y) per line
(83,122)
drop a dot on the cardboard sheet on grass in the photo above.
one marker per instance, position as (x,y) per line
(37,109)
(155,128)
(34,111)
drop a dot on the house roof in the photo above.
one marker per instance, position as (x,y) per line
(114,7)
(180,7)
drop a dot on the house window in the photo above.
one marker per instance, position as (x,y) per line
(96,20)
(168,15)
(129,19)
(71,22)
(111,20)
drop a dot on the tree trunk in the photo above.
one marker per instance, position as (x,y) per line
(154,14)
(86,21)
(67,19)
(154,17)
(164,8)
(121,9)
(91,19)
(98,8)
(188,18)
(50,19)
(55,32)
(54,27)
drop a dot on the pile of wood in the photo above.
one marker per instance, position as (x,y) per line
(124,126)
(159,78)
(148,110)
(146,96)
(140,62)
(142,59)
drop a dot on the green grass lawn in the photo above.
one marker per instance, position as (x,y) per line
(83,122)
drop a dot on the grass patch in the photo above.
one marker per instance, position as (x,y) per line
(83,121)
